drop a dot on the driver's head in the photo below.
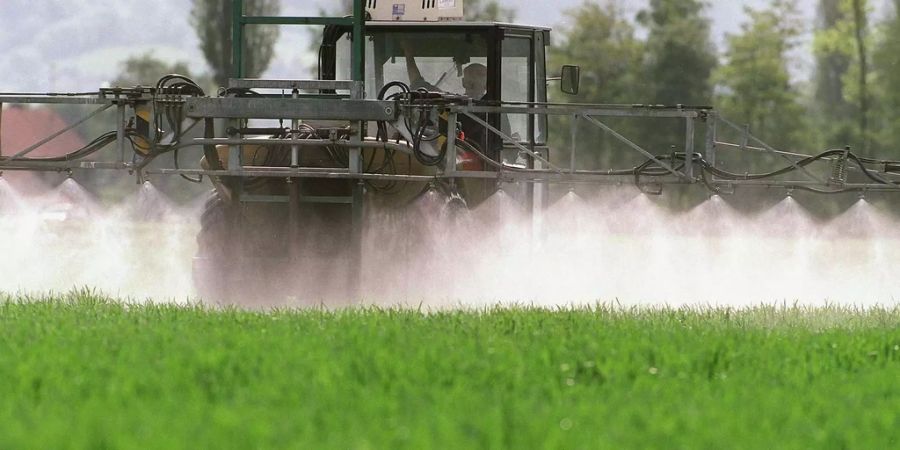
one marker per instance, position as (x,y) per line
(475,80)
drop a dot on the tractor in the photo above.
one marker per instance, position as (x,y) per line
(418,55)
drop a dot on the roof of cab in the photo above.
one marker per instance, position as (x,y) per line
(454,24)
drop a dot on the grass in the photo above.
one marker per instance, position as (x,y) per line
(82,371)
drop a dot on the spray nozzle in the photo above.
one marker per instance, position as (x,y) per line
(68,173)
(790,192)
(723,189)
(651,188)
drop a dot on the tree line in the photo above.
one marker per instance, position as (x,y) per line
(665,55)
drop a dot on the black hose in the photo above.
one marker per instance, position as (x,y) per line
(382,125)
(424,158)
(787,169)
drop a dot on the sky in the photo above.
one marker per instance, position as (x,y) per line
(79,45)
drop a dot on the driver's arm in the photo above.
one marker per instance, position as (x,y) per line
(412,69)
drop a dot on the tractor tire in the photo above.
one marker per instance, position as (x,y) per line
(211,265)
(227,268)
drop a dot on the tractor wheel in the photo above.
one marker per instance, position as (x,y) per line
(240,252)
(211,264)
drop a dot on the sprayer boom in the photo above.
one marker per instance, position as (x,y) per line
(153,122)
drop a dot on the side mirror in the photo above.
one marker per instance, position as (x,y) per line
(571,78)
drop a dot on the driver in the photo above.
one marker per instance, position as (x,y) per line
(474,78)
(474,83)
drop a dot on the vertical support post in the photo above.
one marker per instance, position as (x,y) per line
(689,148)
(234,151)
(529,158)
(573,145)
(356,215)
(358,72)
(237,38)
(1,128)
(152,127)
(530,187)
(540,195)
(359,41)
(450,156)
(295,149)
(120,130)
(711,120)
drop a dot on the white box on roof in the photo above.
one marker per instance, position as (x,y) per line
(415,10)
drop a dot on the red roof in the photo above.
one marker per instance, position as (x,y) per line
(22,127)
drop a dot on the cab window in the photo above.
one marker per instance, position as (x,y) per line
(447,62)
(515,81)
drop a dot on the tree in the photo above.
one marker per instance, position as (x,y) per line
(679,54)
(885,60)
(212,21)
(679,59)
(860,28)
(831,65)
(489,10)
(841,46)
(603,43)
(754,81)
(146,69)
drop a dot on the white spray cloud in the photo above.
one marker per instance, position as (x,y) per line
(616,246)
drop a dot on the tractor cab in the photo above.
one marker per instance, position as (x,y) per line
(489,62)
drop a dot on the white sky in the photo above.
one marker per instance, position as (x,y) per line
(75,45)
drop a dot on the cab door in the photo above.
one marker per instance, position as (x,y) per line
(522,74)
(522,84)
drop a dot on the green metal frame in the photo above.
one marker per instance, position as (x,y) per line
(239,21)
(358,72)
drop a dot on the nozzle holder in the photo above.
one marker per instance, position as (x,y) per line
(723,189)
(651,188)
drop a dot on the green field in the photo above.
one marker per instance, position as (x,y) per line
(84,372)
